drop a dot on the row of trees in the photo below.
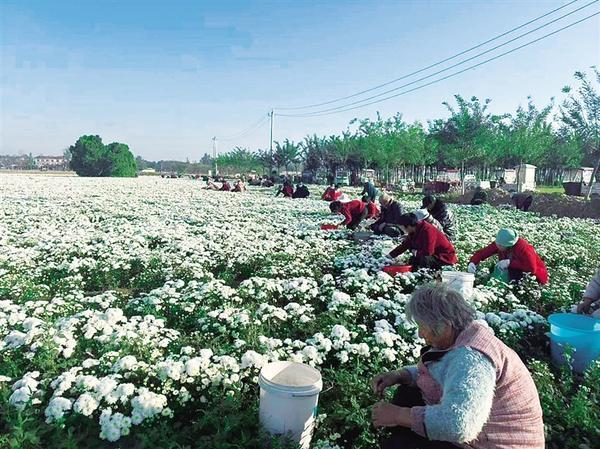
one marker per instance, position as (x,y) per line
(471,138)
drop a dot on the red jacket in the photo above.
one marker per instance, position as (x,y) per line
(428,241)
(331,194)
(226,187)
(351,210)
(373,210)
(288,191)
(522,257)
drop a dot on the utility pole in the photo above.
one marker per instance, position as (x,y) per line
(271,140)
(214,139)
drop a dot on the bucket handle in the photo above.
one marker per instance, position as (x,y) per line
(306,395)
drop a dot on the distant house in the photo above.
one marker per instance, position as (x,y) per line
(51,162)
(13,162)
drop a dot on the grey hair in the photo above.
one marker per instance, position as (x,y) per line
(439,305)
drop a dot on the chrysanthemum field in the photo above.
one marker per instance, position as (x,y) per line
(136,313)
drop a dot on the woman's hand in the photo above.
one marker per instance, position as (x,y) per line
(584,306)
(389,415)
(385,380)
(503,264)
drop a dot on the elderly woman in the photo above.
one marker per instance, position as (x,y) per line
(468,390)
(391,211)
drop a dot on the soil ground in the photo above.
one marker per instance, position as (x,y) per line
(545,204)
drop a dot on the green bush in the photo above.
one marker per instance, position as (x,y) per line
(90,157)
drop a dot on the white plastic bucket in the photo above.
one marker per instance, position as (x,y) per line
(459,281)
(289,393)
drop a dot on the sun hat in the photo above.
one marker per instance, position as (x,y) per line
(506,238)
(421,214)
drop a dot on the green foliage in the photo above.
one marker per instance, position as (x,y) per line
(571,405)
(239,159)
(90,157)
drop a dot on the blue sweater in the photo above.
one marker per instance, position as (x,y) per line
(468,380)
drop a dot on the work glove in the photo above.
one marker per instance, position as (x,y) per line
(503,264)
(472,268)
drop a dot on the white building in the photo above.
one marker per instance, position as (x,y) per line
(51,162)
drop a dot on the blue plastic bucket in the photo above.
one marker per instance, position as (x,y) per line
(581,332)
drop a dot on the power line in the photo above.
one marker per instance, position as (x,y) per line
(432,65)
(246,131)
(317,114)
(447,68)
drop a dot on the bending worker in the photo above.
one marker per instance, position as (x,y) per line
(430,247)
(332,193)
(391,211)
(517,257)
(353,211)
(439,210)
(370,190)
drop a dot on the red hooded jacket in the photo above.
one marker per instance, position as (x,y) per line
(331,194)
(522,257)
(351,210)
(428,241)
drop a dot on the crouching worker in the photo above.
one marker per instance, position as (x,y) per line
(239,186)
(332,193)
(591,298)
(287,189)
(468,390)
(479,197)
(391,211)
(516,257)
(353,211)
(430,247)
(225,187)
(301,191)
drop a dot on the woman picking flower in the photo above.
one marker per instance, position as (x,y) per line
(469,389)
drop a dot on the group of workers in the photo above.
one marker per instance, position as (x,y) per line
(468,389)
(287,189)
(428,234)
(225,186)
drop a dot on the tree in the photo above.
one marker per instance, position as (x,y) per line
(286,154)
(122,162)
(312,153)
(580,115)
(67,155)
(90,157)
(206,159)
(30,163)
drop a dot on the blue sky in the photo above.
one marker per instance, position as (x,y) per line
(166,76)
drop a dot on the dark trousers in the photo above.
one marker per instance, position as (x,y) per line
(404,438)
(388,229)
(430,262)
